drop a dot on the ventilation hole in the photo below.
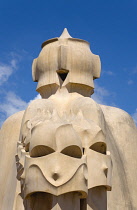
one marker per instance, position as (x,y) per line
(63,76)
(40,151)
(99,147)
(72,151)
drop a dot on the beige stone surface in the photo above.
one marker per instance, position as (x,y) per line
(123,133)
(69,58)
(9,135)
(65,151)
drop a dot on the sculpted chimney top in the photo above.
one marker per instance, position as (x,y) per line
(65,62)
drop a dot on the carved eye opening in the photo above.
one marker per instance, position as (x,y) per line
(99,147)
(62,74)
(72,151)
(41,150)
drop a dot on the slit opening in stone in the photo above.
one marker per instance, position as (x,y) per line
(62,74)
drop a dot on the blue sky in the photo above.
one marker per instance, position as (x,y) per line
(109,26)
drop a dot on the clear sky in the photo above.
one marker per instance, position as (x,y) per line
(109,26)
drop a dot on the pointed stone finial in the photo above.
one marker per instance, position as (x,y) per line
(65,34)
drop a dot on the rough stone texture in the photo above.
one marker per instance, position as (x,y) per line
(66,152)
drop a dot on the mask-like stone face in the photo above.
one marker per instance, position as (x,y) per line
(55,162)
(66,61)
(55,174)
(63,155)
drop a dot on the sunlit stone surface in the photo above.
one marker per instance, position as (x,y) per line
(65,151)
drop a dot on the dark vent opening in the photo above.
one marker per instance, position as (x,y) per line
(63,76)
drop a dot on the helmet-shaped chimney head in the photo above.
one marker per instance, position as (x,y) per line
(66,62)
